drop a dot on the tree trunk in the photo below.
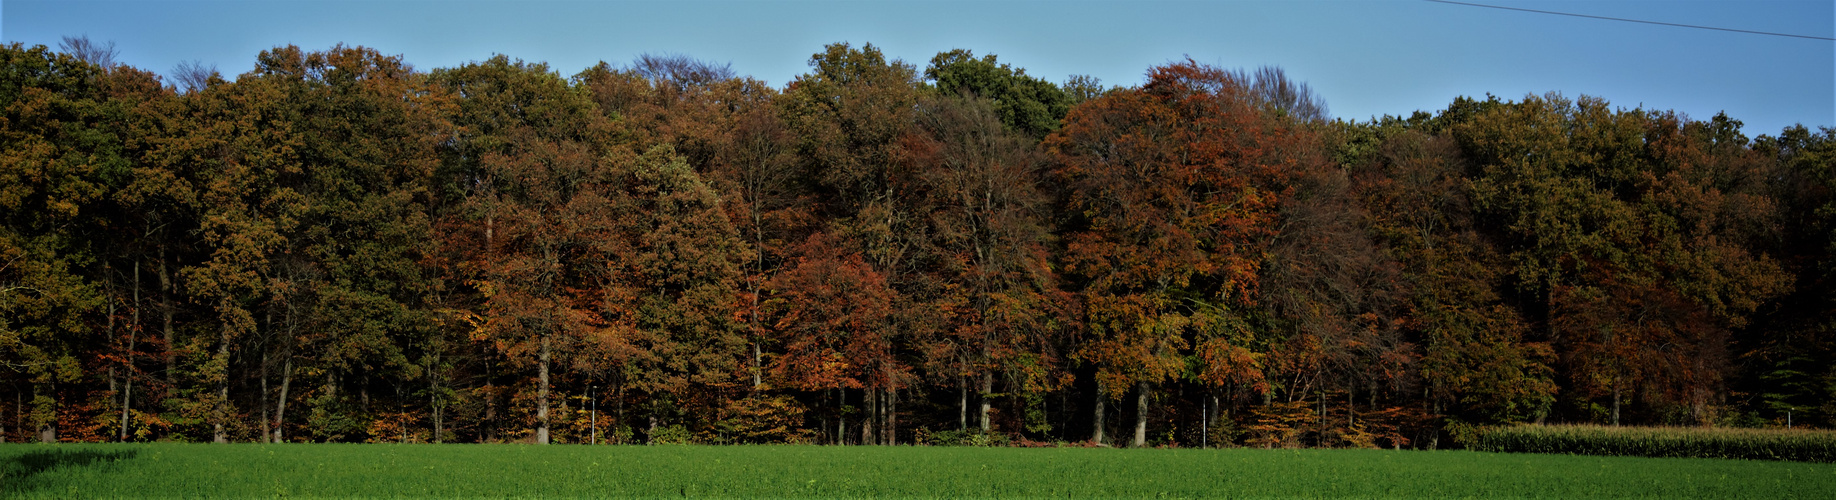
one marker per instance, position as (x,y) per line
(127,392)
(267,434)
(892,417)
(1096,428)
(987,390)
(869,417)
(221,413)
(280,405)
(47,430)
(841,416)
(433,396)
(1141,416)
(1616,403)
(756,369)
(542,395)
(962,406)
(114,384)
(490,418)
(165,315)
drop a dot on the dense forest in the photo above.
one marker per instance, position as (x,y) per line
(336,246)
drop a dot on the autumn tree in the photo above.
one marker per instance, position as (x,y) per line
(1791,351)
(1626,236)
(988,220)
(666,284)
(1477,362)
(849,116)
(531,181)
(1171,193)
(59,159)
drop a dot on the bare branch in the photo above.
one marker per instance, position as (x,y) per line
(192,76)
(99,54)
(681,71)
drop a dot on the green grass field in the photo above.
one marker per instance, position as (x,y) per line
(371,470)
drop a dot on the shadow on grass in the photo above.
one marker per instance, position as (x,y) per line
(18,474)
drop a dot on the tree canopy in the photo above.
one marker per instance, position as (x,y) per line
(336,246)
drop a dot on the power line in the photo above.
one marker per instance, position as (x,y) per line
(1633,20)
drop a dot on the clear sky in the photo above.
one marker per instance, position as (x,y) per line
(1367,58)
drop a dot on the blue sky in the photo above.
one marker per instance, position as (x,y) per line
(1367,58)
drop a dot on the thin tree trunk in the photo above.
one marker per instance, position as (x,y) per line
(165,314)
(113,377)
(962,405)
(1096,428)
(127,392)
(433,396)
(1616,403)
(218,434)
(1141,416)
(987,390)
(869,417)
(280,405)
(47,431)
(267,360)
(841,416)
(542,394)
(490,418)
(267,433)
(892,417)
(1217,410)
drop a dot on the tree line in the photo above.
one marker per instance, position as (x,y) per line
(335,246)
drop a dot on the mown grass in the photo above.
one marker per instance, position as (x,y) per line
(373,470)
(1755,444)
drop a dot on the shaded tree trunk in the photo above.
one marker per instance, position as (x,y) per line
(1616,403)
(127,390)
(280,405)
(541,436)
(47,429)
(987,390)
(1141,416)
(1096,427)
(267,433)
(433,397)
(221,412)
(962,405)
(165,315)
(869,418)
(892,417)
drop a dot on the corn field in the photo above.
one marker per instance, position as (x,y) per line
(1752,444)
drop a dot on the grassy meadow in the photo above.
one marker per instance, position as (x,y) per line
(470,470)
